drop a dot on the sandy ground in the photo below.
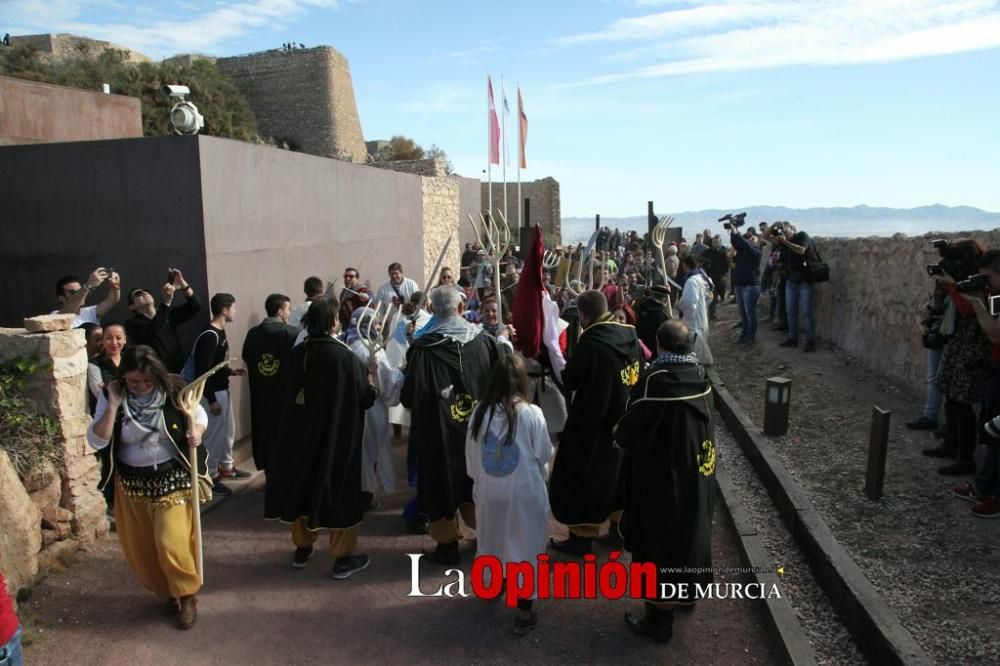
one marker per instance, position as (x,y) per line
(256,609)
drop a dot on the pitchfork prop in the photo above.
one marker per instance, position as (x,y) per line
(188,400)
(657,237)
(372,326)
(495,241)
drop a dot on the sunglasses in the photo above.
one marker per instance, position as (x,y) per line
(349,275)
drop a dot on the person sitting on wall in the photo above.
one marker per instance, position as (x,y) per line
(72,292)
(156,326)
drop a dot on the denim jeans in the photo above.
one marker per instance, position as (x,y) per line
(932,408)
(10,652)
(987,479)
(799,295)
(746,296)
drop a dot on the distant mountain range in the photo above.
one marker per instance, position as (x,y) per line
(859,221)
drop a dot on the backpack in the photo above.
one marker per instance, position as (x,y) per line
(815,269)
(188,372)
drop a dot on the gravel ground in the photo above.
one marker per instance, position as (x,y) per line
(922,549)
(829,638)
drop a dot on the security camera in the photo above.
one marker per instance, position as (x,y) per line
(175,91)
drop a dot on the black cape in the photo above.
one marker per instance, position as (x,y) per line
(586,477)
(438,423)
(316,473)
(671,456)
(650,313)
(264,350)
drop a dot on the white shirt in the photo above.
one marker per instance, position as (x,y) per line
(298,312)
(406,288)
(87,315)
(138,447)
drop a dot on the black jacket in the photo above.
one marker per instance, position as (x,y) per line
(160,332)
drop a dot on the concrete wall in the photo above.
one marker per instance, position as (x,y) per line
(305,95)
(38,112)
(544,206)
(133,205)
(874,302)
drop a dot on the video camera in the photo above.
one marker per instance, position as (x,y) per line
(776,229)
(733,221)
(945,265)
(974,283)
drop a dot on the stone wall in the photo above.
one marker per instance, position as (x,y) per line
(64,46)
(874,302)
(441,210)
(543,208)
(39,112)
(304,96)
(433,167)
(51,511)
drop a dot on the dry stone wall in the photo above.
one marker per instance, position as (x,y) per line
(543,207)
(874,302)
(305,96)
(433,167)
(440,219)
(52,510)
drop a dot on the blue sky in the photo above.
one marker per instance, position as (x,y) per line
(693,104)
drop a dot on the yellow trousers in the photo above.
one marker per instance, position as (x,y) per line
(593,530)
(446,530)
(343,542)
(159,544)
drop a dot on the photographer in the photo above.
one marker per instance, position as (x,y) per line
(933,342)
(746,280)
(156,326)
(72,292)
(715,261)
(984,490)
(964,361)
(798,292)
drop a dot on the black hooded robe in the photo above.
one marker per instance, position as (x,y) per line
(316,474)
(586,485)
(264,350)
(671,457)
(444,381)
(650,314)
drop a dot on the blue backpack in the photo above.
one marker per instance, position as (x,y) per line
(187,372)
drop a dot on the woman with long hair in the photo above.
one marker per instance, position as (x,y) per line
(101,371)
(138,417)
(507,454)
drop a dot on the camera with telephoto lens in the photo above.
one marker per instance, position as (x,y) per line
(977,282)
(733,221)
(932,338)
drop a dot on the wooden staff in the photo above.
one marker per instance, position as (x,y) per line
(188,400)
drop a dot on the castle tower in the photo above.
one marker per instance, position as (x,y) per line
(304,96)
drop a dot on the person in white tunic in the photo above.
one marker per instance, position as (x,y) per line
(507,455)
(693,305)
(377,463)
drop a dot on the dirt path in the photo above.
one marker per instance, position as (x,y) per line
(257,609)
(932,560)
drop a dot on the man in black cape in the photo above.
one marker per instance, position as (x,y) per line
(264,349)
(314,478)
(586,486)
(650,313)
(447,369)
(667,434)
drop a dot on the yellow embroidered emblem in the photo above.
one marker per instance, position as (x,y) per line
(300,397)
(268,366)
(706,458)
(630,374)
(174,427)
(462,408)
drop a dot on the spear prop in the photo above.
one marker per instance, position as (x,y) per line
(430,278)
(188,400)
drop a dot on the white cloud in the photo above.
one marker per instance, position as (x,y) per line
(192,31)
(731,36)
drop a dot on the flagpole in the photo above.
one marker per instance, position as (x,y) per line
(489,145)
(520,158)
(503,97)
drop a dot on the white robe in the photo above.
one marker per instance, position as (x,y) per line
(377,462)
(512,512)
(395,352)
(693,305)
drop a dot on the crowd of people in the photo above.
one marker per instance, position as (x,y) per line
(962,341)
(504,424)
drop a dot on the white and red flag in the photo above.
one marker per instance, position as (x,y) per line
(522,132)
(494,126)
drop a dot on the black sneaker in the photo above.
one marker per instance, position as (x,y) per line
(941,452)
(301,556)
(218,488)
(789,342)
(445,553)
(810,346)
(344,567)
(234,474)
(960,468)
(923,423)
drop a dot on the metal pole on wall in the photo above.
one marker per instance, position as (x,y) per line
(597,222)
(650,223)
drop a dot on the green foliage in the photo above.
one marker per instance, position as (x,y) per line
(226,111)
(438,153)
(404,148)
(28,438)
